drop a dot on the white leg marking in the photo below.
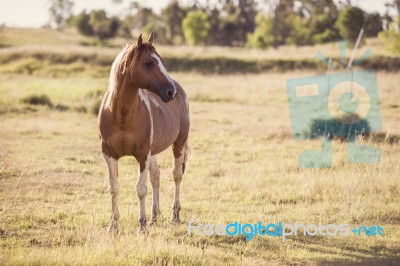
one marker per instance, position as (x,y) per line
(141,189)
(155,183)
(178,175)
(112,165)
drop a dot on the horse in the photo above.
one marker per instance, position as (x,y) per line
(143,112)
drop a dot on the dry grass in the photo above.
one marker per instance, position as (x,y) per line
(54,203)
(55,206)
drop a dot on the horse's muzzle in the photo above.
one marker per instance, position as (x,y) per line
(169,95)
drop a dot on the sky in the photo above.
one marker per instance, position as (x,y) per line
(33,13)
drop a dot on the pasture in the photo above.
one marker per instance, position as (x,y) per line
(54,202)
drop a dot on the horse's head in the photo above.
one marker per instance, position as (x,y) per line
(147,71)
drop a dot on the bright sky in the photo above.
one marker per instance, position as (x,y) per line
(33,13)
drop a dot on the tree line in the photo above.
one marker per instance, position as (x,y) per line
(235,22)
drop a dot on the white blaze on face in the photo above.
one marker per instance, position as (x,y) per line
(162,68)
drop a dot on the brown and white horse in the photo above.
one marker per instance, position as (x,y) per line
(143,112)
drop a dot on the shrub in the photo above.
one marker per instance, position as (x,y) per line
(391,37)
(38,100)
(61,107)
(333,128)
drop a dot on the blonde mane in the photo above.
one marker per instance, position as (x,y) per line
(117,69)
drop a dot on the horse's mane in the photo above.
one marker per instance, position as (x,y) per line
(121,64)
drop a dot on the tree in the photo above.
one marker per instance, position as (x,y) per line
(322,30)
(300,34)
(229,20)
(322,14)
(97,24)
(231,25)
(195,27)
(82,24)
(126,27)
(172,15)
(248,11)
(262,37)
(391,36)
(395,4)
(60,11)
(350,22)
(146,21)
(214,37)
(295,22)
(282,28)
(102,26)
(374,25)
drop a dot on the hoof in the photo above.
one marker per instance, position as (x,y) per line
(153,220)
(142,225)
(155,217)
(142,230)
(175,219)
(113,228)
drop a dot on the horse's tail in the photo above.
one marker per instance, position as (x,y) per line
(187,154)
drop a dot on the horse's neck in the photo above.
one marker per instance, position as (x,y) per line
(126,99)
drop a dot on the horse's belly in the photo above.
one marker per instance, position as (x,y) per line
(163,139)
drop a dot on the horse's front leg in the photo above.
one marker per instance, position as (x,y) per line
(112,165)
(141,189)
(155,183)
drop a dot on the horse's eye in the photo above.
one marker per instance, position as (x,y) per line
(149,63)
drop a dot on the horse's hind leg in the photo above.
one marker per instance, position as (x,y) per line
(179,169)
(112,165)
(155,183)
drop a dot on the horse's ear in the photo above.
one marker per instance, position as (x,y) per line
(139,41)
(151,38)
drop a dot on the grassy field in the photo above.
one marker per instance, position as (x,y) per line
(55,206)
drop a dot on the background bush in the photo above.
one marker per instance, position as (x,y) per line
(333,128)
